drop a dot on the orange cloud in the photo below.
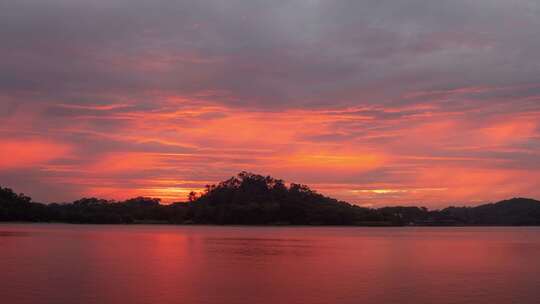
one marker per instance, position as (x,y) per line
(510,131)
(30,153)
(356,162)
(126,162)
(367,155)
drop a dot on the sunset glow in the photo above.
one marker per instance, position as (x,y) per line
(372,111)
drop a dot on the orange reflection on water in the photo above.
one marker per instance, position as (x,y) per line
(168,264)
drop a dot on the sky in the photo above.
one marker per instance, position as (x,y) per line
(410,102)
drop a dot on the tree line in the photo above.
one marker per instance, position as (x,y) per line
(252,199)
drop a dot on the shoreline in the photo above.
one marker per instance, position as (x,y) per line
(265,226)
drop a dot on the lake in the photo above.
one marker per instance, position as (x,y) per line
(60,263)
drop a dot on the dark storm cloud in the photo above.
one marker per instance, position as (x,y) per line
(266,54)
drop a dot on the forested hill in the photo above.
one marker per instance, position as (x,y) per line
(516,211)
(251,199)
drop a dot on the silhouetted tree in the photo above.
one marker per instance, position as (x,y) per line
(250,198)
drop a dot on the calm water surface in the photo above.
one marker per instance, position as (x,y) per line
(54,263)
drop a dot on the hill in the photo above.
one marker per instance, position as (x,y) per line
(251,199)
(516,212)
(254,199)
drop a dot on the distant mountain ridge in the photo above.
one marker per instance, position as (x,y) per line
(515,211)
(252,199)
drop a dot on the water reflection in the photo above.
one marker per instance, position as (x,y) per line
(171,264)
(259,247)
(13,234)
